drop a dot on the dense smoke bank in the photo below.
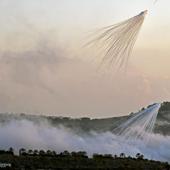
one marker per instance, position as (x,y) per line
(24,133)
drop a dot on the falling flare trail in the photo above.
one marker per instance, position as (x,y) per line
(139,126)
(115,43)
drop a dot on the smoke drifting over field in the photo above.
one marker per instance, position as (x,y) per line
(24,133)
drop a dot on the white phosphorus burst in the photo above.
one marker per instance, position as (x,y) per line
(139,126)
(114,43)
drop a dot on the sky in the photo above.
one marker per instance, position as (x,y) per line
(45,70)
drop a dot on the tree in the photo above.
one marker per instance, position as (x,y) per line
(108,156)
(30,152)
(35,152)
(65,153)
(122,155)
(139,156)
(73,154)
(22,151)
(54,153)
(115,156)
(97,156)
(11,151)
(143,109)
(82,154)
(49,153)
(41,152)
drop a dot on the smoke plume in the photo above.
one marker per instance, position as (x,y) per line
(31,135)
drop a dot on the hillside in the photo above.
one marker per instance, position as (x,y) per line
(86,125)
(163,120)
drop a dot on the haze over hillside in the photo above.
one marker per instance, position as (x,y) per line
(90,135)
(86,125)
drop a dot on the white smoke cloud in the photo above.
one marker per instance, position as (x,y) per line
(29,135)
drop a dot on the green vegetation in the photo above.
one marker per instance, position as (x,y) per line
(48,160)
(41,159)
(165,107)
(86,125)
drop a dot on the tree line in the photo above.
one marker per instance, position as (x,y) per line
(51,153)
(33,159)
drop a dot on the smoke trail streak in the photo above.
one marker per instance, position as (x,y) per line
(139,126)
(115,43)
(155,1)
